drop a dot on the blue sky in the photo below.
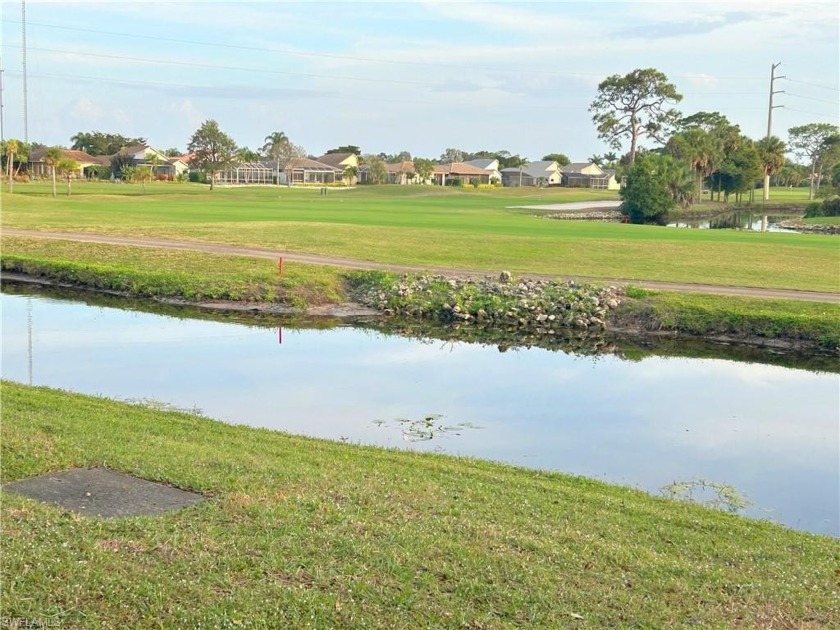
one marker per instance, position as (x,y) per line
(416,76)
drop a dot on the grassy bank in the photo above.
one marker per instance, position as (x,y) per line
(434,227)
(299,532)
(736,317)
(197,276)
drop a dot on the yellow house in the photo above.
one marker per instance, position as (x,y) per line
(342,161)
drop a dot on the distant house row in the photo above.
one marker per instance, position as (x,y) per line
(137,155)
(345,168)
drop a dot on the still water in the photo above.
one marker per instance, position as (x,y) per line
(770,432)
(739,220)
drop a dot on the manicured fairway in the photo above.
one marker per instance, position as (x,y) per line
(436,227)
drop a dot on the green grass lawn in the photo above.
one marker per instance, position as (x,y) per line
(299,532)
(435,227)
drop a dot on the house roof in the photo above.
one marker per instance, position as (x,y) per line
(306,164)
(536,170)
(333,159)
(577,167)
(406,166)
(484,163)
(460,168)
(80,156)
(134,148)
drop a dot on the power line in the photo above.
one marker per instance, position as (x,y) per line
(289,51)
(211,66)
(811,98)
(802,111)
(214,67)
(818,85)
(134,83)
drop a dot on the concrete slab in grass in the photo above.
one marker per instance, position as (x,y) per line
(104,493)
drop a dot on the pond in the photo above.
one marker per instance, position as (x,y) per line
(738,220)
(768,431)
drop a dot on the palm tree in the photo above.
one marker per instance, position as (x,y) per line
(701,150)
(67,168)
(596,159)
(678,178)
(276,145)
(51,158)
(11,148)
(772,152)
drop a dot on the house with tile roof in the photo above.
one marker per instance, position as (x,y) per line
(445,174)
(37,167)
(401,173)
(540,174)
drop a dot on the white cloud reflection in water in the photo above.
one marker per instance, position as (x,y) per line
(771,432)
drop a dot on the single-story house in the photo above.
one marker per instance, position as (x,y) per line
(467,173)
(37,167)
(342,161)
(401,172)
(542,173)
(588,175)
(180,164)
(491,165)
(143,155)
(306,171)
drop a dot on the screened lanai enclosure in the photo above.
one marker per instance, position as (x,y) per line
(247,173)
(306,171)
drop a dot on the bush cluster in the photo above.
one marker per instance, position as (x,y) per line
(826,208)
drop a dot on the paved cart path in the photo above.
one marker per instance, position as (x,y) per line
(352,263)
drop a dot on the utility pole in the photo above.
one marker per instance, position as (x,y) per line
(2,133)
(770,109)
(25,91)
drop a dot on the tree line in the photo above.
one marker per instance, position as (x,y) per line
(698,151)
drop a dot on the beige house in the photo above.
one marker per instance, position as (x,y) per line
(342,161)
(491,165)
(588,175)
(159,162)
(401,172)
(37,167)
(467,173)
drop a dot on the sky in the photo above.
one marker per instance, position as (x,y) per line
(393,76)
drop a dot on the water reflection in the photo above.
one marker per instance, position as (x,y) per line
(769,431)
(738,220)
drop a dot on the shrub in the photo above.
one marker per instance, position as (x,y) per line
(198,177)
(831,207)
(814,209)
(455,181)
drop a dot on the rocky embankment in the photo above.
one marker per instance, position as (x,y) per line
(536,306)
(799,226)
(610,216)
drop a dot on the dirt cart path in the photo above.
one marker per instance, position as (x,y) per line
(351,263)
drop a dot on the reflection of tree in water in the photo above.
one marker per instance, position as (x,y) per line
(426,428)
